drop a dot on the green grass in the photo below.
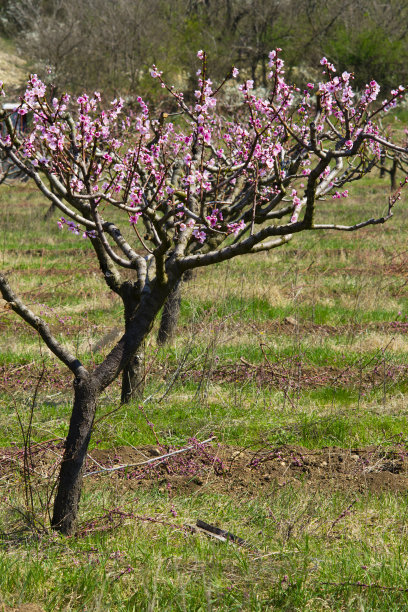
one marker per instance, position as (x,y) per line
(305,346)
(296,557)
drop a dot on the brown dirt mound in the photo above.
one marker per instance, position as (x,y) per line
(228,469)
(225,469)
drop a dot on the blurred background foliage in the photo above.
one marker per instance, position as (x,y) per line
(110,45)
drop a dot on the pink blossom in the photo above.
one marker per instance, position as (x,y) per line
(235,228)
(155,73)
(199,235)
(133,219)
(338,195)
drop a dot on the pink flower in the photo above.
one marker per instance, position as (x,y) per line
(133,219)
(235,228)
(154,72)
(199,235)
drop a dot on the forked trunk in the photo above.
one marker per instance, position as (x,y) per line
(73,463)
(87,390)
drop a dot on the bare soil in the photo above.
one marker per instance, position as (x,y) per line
(289,373)
(227,469)
(292,375)
(234,470)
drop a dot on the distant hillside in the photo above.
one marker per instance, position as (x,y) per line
(13,70)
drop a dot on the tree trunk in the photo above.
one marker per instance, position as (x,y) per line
(171,311)
(170,316)
(87,389)
(393,175)
(382,166)
(50,211)
(73,463)
(133,378)
(134,373)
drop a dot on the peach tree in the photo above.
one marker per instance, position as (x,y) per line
(202,189)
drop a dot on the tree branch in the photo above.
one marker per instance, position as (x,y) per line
(352,228)
(47,192)
(41,327)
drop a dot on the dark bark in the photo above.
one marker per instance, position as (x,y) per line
(382,166)
(133,375)
(393,174)
(133,378)
(87,390)
(170,316)
(139,327)
(171,311)
(73,463)
(50,211)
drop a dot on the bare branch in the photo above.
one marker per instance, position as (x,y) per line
(351,228)
(41,327)
(270,244)
(47,192)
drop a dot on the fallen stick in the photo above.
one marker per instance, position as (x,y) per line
(219,534)
(153,460)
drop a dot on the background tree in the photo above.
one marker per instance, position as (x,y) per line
(209,188)
(111,44)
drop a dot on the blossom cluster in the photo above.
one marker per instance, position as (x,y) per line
(75,229)
(205,176)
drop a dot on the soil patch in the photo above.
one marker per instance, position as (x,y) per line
(224,469)
(294,375)
(228,469)
(288,374)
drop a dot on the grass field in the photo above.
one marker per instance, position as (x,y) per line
(293,362)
